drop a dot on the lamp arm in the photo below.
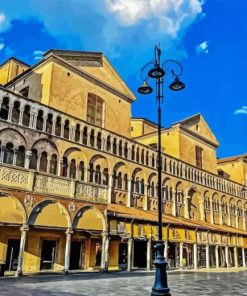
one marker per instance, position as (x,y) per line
(172,71)
(142,70)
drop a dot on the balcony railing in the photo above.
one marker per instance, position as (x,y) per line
(19,178)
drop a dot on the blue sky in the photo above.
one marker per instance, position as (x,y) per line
(207,37)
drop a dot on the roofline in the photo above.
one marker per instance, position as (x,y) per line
(15,59)
(77,71)
(72,51)
(187,118)
(231,158)
(145,119)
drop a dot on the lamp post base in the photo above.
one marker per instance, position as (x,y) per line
(160,287)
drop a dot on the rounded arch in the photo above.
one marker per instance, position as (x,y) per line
(50,213)
(139,173)
(99,159)
(45,145)
(11,209)
(123,167)
(194,203)
(90,218)
(152,177)
(13,136)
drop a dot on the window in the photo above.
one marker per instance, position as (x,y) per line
(199,157)
(95,110)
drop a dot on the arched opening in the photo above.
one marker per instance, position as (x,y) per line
(33,160)
(114,148)
(194,205)
(105,177)
(120,148)
(72,172)
(20,157)
(66,129)
(4,111)
(137,154)
(92,138)
(97,175)
(99,140)
(49,123)
(8,153)
(40,120)
(16,112)
(26,116)
(81,171)
(108,144)
(126,150)
(43,162)
(84,140)
(64,167)
(58,126)
(53,164)
(77,133)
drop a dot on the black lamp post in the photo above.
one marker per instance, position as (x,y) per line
(157,72)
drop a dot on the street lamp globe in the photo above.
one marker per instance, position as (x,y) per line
(145,89)
(156,72)
(177,85)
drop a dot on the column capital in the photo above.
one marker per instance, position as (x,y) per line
(24,227)
(69,231)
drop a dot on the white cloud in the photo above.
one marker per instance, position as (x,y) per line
(38,52)
(170,16)
(202,48)
(242,110)
(2,45)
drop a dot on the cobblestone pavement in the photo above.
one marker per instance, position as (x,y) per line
(125,284)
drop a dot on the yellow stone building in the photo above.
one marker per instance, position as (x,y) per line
(78,176)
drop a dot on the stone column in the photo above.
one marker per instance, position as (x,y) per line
(60,163)
(109,198)
(236,257)
(181,255)
(195,256)
(243,256)
(236,217)
(105,252)
(207,257)
(28,155)
(54,121)
(145,203)
(24,229)
(227,256)
(68,233)
(217,256)
(129,193)
(149,253)
(229,215)
(244,223)
(38,161)
(15,156)
(211,210)
(11,105)
(44,122)
(130,253)
(34,123)
(21,115)
(2,153)
(174,204)
(48,163)
(221,214)
(202,209)
(186,207)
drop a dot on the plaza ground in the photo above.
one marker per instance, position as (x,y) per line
(122,284)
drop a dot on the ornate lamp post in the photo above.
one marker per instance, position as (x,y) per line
(157,72)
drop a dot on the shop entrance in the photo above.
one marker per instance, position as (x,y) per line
(212,260)
(123,255)
(173,255)
(12,254)
(231,257)
(140,254)
(76,255)
(201,256)
(48,253)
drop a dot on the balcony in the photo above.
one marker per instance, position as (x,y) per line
(19,178)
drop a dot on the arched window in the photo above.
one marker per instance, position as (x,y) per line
(20,157)
(77,133)
(137,154)
(72,172)
(142,186)
(120,148)
(84,140)
(43,162)
(126,150)
(40,120)
(33,160)
(49,123)
(4,111)
(98,175)
(114,146)
(91,172)
(16,112)
(119,180)
(95,109)
(105,176)
(108,144)
(92,138)
(58,126)
(66,129)
(142,156)
(147,158)
(26,116)
(133,152)
(99,141)
(125,182)
(8,154)
(81,170)
(53,164)
(64,167)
